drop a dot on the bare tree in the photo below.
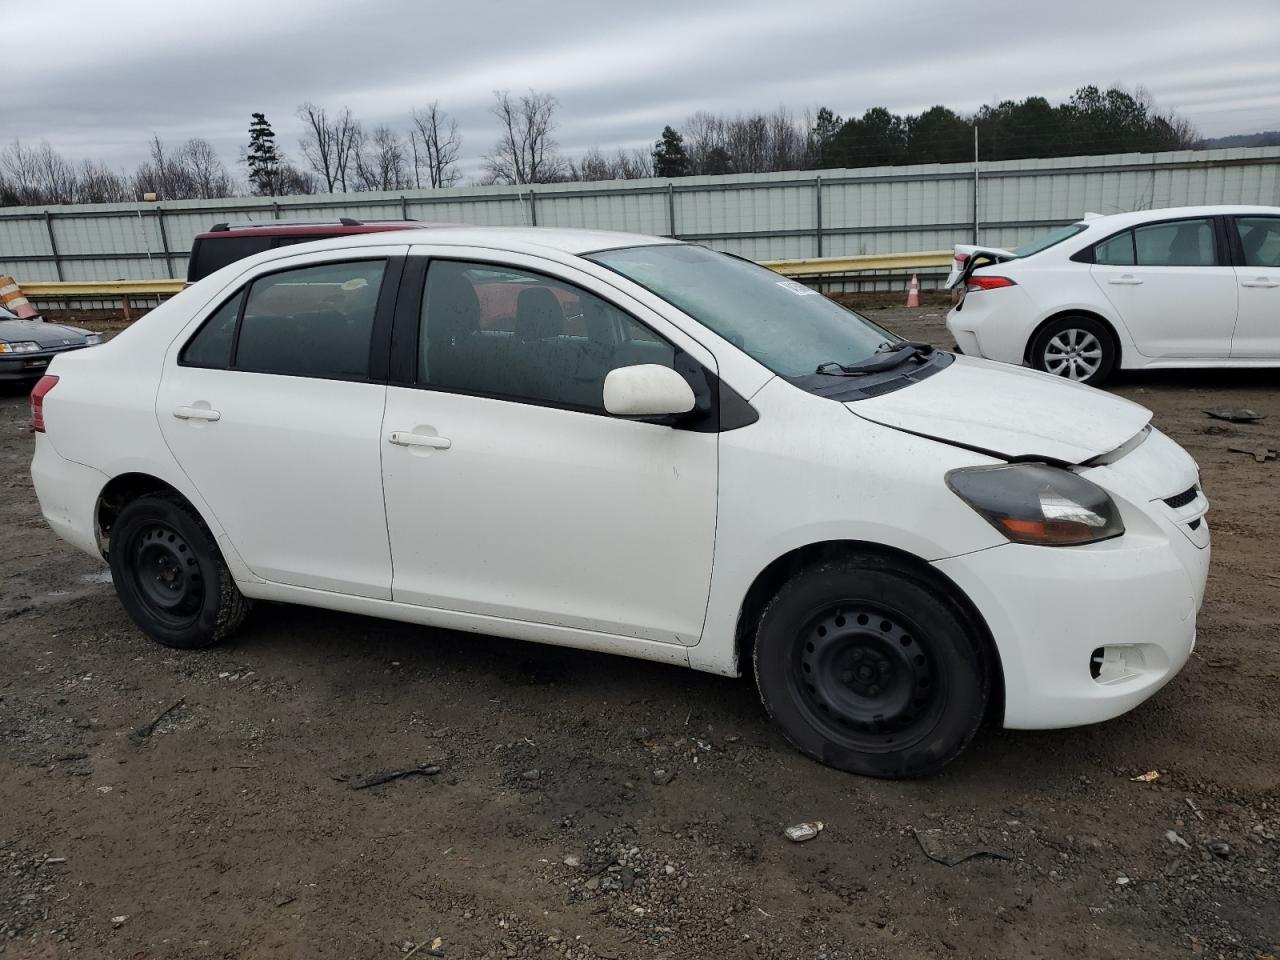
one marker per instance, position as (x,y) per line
(595,165)
(381,162)
(193,170)
(97,183)
(330,145)
(207,175)
(436,133)
(37,174)
(526,152)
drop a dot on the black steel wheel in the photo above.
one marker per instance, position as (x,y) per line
(170,575)
(868,666)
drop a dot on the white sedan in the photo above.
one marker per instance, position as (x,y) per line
(628,444)
(1184,287)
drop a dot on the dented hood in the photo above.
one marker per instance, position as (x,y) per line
(1009,411)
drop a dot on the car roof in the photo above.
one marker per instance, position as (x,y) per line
(1117,221)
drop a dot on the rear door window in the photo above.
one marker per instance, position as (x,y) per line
(1179,243)
(314,321)
(211,346)
(1259,240)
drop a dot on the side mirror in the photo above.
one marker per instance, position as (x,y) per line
(647,390)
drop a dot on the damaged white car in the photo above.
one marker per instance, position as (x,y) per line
(633,445)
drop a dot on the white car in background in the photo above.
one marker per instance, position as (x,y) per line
(639,446)
(1181,287)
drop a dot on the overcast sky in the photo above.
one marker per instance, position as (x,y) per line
(96,78)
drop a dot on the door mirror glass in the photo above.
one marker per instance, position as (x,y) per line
(646,390)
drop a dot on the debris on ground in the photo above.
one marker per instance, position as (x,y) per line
(661,777)
(804,831)
(941,849)
(531,776)
(378,779)
(1260,454)
(118,922)
(1174,837)
(1218,848)
(1236,415)
(147,729)
(1149,777)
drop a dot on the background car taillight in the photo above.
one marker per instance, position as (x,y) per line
(976,282)
(42,388)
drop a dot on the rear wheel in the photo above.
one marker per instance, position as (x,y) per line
(1076,348)
(170,575)
(868,668)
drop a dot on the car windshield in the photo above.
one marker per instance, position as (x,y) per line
(1047,240)
(790,328)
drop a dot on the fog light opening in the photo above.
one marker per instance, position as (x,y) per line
(1116,663)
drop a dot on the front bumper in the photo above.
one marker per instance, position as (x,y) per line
(1050,610)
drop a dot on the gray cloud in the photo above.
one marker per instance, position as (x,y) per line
(114,73)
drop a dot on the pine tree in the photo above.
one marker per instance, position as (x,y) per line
(669,157)
(263,161)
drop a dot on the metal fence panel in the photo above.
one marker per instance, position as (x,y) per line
(774,216)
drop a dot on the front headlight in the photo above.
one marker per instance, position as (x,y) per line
(22,346)
(1037,503)
(92,340)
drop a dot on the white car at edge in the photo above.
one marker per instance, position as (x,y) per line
(1182,287)
(634,445)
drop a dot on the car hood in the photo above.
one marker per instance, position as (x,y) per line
(45,334)
(1009,411)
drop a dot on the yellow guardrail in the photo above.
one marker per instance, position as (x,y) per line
(106,289)
(124,290)
(835,266)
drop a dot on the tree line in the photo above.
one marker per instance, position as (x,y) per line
(338,153)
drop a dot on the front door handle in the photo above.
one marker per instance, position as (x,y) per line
(1126,280)
(405,438)
(197,413)
(1260,282)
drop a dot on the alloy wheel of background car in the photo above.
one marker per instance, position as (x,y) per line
(1075,348)
(170,575)
(868,667)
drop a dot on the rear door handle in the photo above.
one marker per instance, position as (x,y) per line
(405,438)
(197,413)
(1260,282)
(1126,280)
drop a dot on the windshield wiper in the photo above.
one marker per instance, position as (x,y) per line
(886,357)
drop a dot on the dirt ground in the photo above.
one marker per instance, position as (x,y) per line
(234,828)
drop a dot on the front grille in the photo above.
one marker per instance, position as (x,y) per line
(1182,499)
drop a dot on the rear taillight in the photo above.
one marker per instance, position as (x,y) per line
(976,282)
(38,394)
(962,258)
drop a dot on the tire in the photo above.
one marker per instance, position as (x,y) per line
(868,667)
(170,575)
(1075,347)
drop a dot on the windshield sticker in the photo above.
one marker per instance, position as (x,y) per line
(799,289)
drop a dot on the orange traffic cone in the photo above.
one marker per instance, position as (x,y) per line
(11,299)
(913,292)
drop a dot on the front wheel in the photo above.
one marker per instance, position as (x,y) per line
(867,667)
(170,575)
(1076,348)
